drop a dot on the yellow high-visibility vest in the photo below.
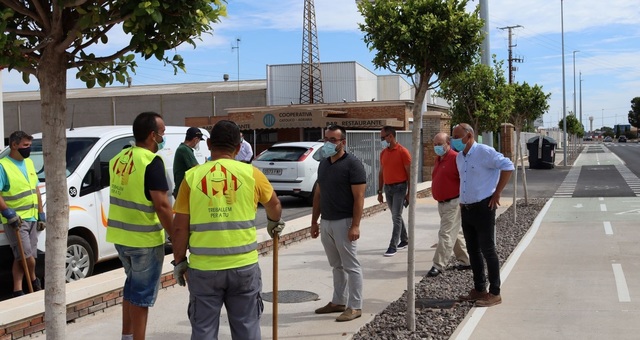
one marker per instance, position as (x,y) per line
(133,221)
(222,214)
(22,195)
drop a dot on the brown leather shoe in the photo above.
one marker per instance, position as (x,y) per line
(473,296)
(349,314)
(330,308)
(490,300)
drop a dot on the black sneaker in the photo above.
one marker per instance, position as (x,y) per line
(36,285)
(18,293)
(390,252)
(402,245)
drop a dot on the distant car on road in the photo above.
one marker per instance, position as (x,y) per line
(622,139)
(608,139)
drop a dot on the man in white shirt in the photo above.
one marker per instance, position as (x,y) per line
(245,154)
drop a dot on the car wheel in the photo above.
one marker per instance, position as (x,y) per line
(80,259)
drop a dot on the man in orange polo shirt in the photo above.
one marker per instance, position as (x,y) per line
(395,162)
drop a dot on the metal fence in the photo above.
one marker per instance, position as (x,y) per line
(365,145)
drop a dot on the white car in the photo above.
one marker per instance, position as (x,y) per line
(292,168)
(89,150)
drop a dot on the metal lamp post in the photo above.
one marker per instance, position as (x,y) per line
(564,99)
(575,113)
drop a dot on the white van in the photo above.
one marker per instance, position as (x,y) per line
(89,150)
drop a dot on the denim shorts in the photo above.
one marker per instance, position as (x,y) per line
(143,267)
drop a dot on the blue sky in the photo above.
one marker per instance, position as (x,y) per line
(606,34)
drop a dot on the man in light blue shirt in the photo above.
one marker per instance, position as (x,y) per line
(245,154)
(484,173)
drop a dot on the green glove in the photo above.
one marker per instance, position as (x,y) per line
(274,227)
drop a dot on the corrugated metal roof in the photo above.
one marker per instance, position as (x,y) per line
(140,90)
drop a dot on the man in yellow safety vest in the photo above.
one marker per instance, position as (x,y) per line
(139,210)
(215,213)
(21,208)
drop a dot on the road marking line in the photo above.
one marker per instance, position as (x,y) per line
(603,207)
(621,283)
(600,198)
(607,228)
(477,312)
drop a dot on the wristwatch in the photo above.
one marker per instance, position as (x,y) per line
(173,262)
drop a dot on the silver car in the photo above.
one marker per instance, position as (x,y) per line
(292,168)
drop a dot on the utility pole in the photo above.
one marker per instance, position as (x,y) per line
(511,46)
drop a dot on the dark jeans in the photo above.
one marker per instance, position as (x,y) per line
(478,226)
(395,194)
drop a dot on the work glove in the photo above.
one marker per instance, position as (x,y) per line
(274,227)
(13,219)
(42,221)
(179,270)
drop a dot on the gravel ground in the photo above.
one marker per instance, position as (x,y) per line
(434,323)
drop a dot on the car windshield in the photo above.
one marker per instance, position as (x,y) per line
(282,154)
(77,148)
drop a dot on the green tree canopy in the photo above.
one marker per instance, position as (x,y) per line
(479,95)
(574,127)
(634,113)
(529,104)
(45,38)
(426,40)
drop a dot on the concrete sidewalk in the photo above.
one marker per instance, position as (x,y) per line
(303,267)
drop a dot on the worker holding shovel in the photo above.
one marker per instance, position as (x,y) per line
(21,210)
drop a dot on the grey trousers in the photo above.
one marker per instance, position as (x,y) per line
(238,289)
(341,253)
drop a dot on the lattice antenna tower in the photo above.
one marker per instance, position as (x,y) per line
(311,77)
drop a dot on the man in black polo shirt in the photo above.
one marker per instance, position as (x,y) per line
(339,197)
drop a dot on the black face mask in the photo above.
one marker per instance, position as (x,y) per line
(25,152)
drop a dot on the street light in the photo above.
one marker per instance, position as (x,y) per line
(564,99)
(580,91)
(237,47)
(575,113)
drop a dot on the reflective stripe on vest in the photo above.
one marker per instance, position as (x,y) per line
(132,221)
(22,195)
(222,213)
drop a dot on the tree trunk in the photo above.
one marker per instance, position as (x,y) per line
(52,76)
(413,180)
(515,177)
(524,174)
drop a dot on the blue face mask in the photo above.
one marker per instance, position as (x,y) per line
(161,144)
(457,144)
(439,149)
(384,144)
(329,149)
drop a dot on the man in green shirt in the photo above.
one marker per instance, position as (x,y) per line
(184,158)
